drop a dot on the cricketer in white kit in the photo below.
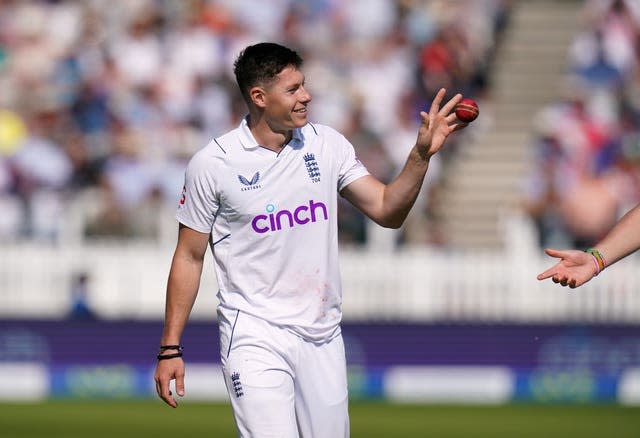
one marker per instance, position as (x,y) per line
(263,197)
(273,224)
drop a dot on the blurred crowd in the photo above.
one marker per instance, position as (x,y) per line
(587,145)
(102,103)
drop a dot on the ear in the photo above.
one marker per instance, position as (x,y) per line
(258,96)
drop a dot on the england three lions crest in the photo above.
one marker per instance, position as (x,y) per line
(312,167)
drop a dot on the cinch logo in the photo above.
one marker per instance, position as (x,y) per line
(276,220)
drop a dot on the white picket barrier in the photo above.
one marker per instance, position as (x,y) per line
(413,284)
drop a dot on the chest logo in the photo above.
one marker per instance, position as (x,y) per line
(277,220)
(312,167)
(250,185)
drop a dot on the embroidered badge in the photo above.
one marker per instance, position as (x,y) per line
(237,385)
(312,167)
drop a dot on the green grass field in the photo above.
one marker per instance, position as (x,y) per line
(123,419)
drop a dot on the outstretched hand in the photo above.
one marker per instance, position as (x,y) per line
(437,124)
(574,269)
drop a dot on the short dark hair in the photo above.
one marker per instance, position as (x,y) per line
(261,63)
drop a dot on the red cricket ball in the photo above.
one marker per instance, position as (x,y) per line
(467,110)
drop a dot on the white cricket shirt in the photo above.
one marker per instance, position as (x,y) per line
(273,224)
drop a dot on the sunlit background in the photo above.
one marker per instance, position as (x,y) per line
(102,103)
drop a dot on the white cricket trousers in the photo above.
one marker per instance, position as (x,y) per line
(279,384)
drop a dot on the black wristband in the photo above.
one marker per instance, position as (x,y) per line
(169,356)
(164,348)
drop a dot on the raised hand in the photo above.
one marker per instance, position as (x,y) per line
(437,124)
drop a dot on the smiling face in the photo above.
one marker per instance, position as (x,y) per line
(284,100)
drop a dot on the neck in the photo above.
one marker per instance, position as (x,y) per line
(268,137)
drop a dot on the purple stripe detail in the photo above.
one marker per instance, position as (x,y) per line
(219,240)
(233,330)
(220,146)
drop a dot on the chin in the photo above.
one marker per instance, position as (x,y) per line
(300,121)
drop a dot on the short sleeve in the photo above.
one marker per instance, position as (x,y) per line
(351,168)
(198,204)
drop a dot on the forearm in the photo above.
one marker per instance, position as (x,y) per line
(400,194)
(182,289)
(623,239)
(388,205)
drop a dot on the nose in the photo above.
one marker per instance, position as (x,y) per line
(305,96)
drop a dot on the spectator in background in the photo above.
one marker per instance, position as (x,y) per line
(138,53)
(355,226)
(43,170)
(139,67)
(12,134)
(571,163)
(80,308)
(609,38)
(584,173)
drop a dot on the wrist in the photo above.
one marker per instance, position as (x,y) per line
(420,156)
(425,154)
(169,351)
(599,261)
(596,266)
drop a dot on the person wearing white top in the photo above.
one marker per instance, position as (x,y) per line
(263,197)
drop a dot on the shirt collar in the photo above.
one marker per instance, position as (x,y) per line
(249,142)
